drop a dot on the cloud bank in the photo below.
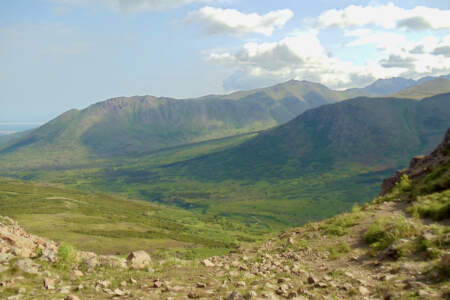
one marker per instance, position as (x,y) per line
(232,21)
(386,16)
(396,35)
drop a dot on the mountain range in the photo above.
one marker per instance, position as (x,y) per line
(122,126)
(132,125)
(279,168)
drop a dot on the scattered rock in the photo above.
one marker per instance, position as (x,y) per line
(207,263)
(103,283)
(139,259)
(28,266)
(49,284)
(235,296)
(71,297)
(311,280)
(65,289)
(118,292)
(49,255)
(363,291)
(193,295)
(240,284)
(77,273)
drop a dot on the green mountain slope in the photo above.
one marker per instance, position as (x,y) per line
(7,138)
(425,89)
(122,126)
(375,132)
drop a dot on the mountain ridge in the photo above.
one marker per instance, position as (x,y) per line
(125,125)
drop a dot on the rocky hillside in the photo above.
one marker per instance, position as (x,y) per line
(421,166)
(396,247)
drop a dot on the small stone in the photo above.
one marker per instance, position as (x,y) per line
(251,295)
(103,283)
(118,292)
(65,290)
(207,263)
(77,273)
(139,259)
(201,285)
(235,296)
(363,291)
(311,280)
(157,284)
(71,297)
(133,281)
(193,295)
(49,284)
(240,284)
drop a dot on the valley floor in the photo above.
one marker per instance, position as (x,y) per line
(333,259)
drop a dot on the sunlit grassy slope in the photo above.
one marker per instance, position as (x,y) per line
(426,89)
(110,224)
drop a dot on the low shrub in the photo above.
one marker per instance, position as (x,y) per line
(337,250)
(385,231)
(67,256)
(434,206)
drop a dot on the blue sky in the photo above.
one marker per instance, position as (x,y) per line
(62,54)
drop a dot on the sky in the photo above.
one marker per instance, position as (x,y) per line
(61,54)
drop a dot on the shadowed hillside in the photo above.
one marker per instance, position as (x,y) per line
(377,132)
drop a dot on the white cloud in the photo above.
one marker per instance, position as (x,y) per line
(137,5)
(303,57)
(428,56)
(232,21)
(300,56)
(386,16)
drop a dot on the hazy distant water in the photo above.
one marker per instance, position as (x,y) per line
(12,127)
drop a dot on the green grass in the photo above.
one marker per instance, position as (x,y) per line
(340,225)
(385,231)
(109,224)
(338,250)
(435,206)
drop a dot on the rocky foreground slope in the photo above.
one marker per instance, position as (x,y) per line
(396,247)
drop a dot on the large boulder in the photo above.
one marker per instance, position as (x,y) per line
(139,259)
